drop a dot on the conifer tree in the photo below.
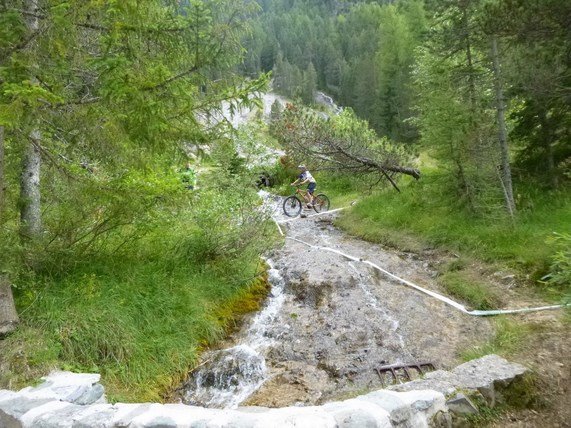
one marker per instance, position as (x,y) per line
(93,96)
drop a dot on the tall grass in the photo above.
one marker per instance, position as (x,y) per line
(427,210)
(140,319)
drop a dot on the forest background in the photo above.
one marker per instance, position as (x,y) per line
(100,103)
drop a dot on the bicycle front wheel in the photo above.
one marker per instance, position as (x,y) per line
(292,206)
(321,203)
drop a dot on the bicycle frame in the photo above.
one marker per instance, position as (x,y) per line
(303,193)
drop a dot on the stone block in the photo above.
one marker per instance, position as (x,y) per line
(6,394)
(442,381)
(55,414)
(414,408)
(489,375)
(164,415)
(95,416)
(19,404)
(298,417)
(391,402)
(461,405)
(126,412)
(77,388)
(358,414)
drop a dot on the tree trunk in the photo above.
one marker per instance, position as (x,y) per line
(8,316)
(2,182)
(469,62)
(505,172)
(546,137)
(30,208)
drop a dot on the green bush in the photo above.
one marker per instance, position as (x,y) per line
(559,275)
(139,301)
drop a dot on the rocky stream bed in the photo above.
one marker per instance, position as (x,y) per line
(329,322)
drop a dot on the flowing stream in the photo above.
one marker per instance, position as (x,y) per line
(328,323)
(228,376)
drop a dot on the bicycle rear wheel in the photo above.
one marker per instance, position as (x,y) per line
(292,206)
(321,203)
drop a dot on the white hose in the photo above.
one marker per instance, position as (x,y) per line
(440,297)
(311,215)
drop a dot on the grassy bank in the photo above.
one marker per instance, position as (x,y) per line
(141,305)
(139,320)
(424,212)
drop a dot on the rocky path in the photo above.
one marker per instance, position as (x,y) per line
(337,320)
(341,319)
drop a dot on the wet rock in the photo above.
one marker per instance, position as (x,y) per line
(233,374)
(295,383)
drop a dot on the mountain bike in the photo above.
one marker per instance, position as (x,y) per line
(294,203)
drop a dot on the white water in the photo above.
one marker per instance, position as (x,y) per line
(326,100)
(383,314)
(230,376)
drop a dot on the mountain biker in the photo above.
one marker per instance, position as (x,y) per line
(306,177)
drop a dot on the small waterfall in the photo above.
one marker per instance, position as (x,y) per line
(229,376)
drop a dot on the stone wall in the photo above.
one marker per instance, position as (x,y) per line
(77,400)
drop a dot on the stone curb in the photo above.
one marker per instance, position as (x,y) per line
(71,400)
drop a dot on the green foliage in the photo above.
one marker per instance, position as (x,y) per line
(361,52)
(342,144)
(140,312)
(559,275)
(510,336)
(435,215)
(133,273)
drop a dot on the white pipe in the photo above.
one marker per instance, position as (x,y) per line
(438,296)
(312,215)
(278,226)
